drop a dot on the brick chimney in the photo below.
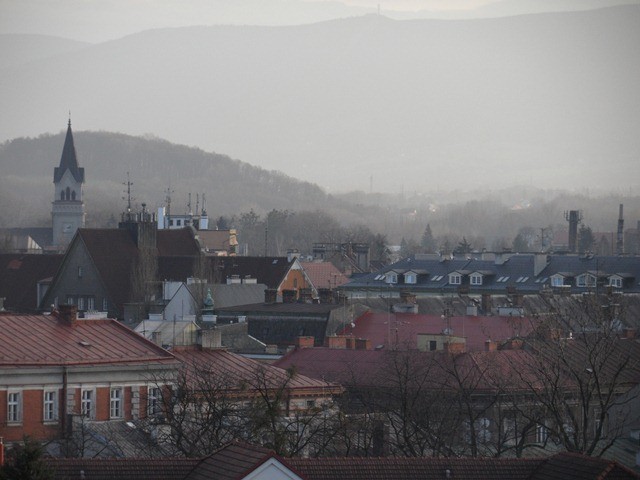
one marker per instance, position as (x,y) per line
(289,296)
(408,297)
(326,296)
(455,347)
(490,346)
(67,314)
(304,342)
(270,295)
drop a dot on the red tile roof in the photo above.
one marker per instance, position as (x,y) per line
(120,468)
(324,274)
(39,340)
(230,462)
(483,371)
(242,370)
(405,327)
(573,466)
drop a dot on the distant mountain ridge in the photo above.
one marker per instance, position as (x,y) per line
(546,100)
(154,165)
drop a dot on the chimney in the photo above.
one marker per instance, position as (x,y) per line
(270,295)
(68,314)
(156,337)
(486,304)
(211,338)
(490,346)
(289,296)
(408,297)
(326,296)
(304,342)
(336,342)
(454,347)
(306,295)
(620,238)
(363,344)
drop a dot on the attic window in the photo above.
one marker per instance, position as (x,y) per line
(84,343)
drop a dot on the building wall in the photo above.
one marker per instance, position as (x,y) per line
(75,283)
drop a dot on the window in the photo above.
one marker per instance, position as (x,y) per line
(71,300)
(115,403)
(311,403)
(476,279)
(14,407)
(91,303)
(50,406)
(433,345)
(73,195)
(557,281)
(455,279)
(411,278)
(615,282)
(391,277)
(80,272)
(68,193)
(86,403)
(154,401)
(80,303)
(105,305)
(586,280)
(542,433)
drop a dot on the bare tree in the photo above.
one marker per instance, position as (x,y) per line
(581,374)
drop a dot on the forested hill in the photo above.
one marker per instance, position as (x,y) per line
(154,165)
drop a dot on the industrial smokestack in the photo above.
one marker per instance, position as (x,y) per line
(620,239)
(574,218)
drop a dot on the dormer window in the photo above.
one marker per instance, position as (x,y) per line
(615,281)
(391,277)
(475,279)
(455,278)
(410,278)
(557,281)
(586,280)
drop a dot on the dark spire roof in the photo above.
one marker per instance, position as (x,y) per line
(68,161)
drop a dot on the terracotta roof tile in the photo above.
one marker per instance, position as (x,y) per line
(121,468)
(324,274)
(37,340)
(242,370)
(405,327)
(423,468)
(230,462)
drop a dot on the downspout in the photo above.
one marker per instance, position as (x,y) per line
(63,416)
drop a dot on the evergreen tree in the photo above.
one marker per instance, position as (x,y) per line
(24,462)
(428,243)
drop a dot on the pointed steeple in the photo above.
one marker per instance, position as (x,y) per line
(68,161)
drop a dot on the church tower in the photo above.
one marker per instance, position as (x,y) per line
(67,212)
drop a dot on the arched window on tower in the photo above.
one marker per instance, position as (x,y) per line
(68,195)
(73,195)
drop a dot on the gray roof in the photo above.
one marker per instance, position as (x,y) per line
(506,272)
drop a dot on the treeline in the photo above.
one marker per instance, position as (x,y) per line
(274,212)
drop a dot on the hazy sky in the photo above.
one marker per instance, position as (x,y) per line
(99,20)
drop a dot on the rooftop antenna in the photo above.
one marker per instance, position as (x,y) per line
(204,205)
(69,117)
(197,203)
(128,198)
(167,200)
